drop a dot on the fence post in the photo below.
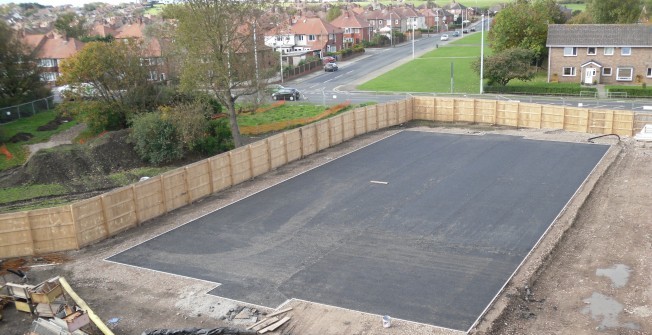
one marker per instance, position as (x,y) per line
(18,110)
(33,109)
(47,104)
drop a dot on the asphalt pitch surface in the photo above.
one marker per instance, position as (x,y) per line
(435,244)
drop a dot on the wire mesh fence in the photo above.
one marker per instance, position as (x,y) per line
(12,113)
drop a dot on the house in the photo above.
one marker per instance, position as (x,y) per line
(49,50)
(306,34)
(600,53)
(152,54)
(356,29)
(436,18)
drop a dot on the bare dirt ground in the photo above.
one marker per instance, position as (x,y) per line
(604,233)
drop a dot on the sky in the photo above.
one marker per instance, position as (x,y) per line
(77,3)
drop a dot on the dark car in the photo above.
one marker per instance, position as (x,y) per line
(456,33)
(330,67)
(286,93)
(472,29)
(465,31)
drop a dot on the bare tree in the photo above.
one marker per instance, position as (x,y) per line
(216,42)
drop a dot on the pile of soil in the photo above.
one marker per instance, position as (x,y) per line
(54,124)
(21,137)
(75,165)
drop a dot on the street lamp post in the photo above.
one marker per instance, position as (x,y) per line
(391,31)
(413,24)
(482,55)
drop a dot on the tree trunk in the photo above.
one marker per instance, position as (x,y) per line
(233,122)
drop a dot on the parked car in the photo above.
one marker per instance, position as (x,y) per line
(456,33)
(444,37)
(472,29)
(330,67)
(465,31)
(273,88)
(286,93)
(328,59)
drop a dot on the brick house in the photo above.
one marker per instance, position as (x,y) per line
(600,53)
(306,34)
(49,50)
(152,55)
(356,29)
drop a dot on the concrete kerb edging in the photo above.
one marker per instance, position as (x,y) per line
(535,264)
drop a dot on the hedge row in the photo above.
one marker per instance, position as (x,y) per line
(632,92)
(547,89)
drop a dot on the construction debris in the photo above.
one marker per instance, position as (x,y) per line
(198,331)
(271,322)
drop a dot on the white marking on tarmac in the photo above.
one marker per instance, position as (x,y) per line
(378,182)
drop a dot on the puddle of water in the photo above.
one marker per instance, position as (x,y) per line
(619,274)
(605,310)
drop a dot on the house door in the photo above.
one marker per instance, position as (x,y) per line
(589,74)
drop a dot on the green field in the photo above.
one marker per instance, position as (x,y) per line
(576,6)
(432,71)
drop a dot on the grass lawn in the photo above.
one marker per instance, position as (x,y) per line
(575,6)
(28,125)
(288,111)
(432,71)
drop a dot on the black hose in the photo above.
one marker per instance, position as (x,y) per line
(18,273)
(593,138)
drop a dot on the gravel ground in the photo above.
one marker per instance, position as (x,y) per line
(144,299)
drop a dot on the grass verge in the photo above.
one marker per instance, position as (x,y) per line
(432,71)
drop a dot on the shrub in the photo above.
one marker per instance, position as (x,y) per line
(543,89)
(219,138)
(155,139)
(632,91)
(98,115)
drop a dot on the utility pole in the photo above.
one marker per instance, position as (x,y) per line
(413,24)
(391,31)
(482,56)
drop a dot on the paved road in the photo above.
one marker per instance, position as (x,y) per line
(335,87)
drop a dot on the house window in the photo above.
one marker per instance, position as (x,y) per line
(311,37)
(625,51)
(649,72)
(591,51)
(347,30)
(301,37)
(606,71)
(356,30)
(624,74)
(608,51)
(47,62)
(568,51)
(48,76)
(569,72)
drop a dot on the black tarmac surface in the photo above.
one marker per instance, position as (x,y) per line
(434,245)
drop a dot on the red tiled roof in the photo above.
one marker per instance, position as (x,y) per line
(314,26)
(59,48)
(350,20)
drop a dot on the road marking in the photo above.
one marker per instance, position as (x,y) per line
(378,182)
(599,106)
(329,80)
(338,76)
(313,85)
(349,72)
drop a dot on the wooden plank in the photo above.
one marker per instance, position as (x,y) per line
(274,326)
(262,323)
(280,312)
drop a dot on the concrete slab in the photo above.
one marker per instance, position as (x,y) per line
(434,242)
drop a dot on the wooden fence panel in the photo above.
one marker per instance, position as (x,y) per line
(507,113)
(277,150)
(348,125)
(221,172)
(15,235)
(372,116)
(259,152)
(89,221)
(175,189)
(52,229)
(485,111)
(445,110)
(552,117)
(337,131)
(360,122)
(198,178)
(240,165)
(424,108)
(323,135)
(529,115)
(601,121)
(576,119)
(294,146)
(404,110)
(464,110)
(392,113)
(640,120)
(119,210)
(309,139)
(624,123)
(150,202)
(382,115)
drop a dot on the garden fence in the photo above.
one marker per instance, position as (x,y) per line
(12,113)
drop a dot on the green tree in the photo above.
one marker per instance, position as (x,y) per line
(222,57)
(333,13)
(70,25)
(581,18)
(524,24)
(110,68)
(614,11)
(19,78)
(506,65)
